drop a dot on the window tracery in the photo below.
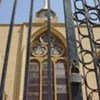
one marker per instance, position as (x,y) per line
(40,47)
(38,71)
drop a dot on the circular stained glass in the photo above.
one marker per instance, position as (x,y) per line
(39,50)
(41,46)
(57,50)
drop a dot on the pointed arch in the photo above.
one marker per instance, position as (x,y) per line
(59,58)
(55,32)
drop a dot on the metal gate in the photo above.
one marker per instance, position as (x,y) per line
(88,15)
(84,14)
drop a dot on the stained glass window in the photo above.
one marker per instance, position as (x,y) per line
(62,80)
(45,81)
(38,70)
(33,87)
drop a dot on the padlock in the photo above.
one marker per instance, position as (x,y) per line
(75,78)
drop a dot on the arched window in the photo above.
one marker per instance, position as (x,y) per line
(38,71)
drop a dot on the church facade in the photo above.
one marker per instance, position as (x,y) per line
(37,78)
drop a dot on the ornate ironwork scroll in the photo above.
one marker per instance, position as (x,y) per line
(87,21)
(4,71)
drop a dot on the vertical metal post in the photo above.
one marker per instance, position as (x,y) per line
(0,1)
(25,97)
(4,71)
(72,49)
(50,92)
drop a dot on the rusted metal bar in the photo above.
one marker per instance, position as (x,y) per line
(4,71)
(25,97)
(50,92)
(72,48)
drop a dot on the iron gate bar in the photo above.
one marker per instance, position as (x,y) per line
(5,64)
(72,49)
(25,97)
(0,1)
(50,92)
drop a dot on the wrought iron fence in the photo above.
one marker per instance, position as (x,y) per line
(87,16)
